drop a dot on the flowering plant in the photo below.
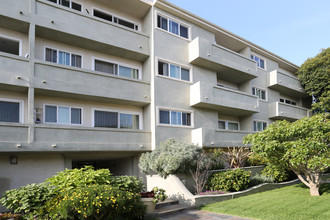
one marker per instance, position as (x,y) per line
(10,216)
(157,193)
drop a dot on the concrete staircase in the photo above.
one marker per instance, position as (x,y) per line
(167,208)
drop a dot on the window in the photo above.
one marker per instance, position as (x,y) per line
(260,61)
(10,111)
(173,71)
(9,45)
(226,125)
(109,17)
(259,125)
(116,69)
(172,26)
(174,118)
(108,119)
(288,101)
(62,115)
(61,57)
(259,92)
(68,3)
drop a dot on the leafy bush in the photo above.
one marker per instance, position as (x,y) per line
(127,183)
(232,180)
(70,179)
(259,179)
(279,174)
(170,157)
(96,202)
(256,160)
(27,199)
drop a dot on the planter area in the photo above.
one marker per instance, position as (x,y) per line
(180,187)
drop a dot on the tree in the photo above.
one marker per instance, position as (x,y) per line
(301,146)
(314,75)
(201,172)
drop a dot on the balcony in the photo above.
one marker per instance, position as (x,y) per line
(224,100)
(57,138)
(232,67)
(286,84)
(14,70)
(75,28)
(280,111)
(208,137)
(15,15)
(54,78)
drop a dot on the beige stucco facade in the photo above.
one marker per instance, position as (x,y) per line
(212,75)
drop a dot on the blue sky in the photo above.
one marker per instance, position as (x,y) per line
(292,29)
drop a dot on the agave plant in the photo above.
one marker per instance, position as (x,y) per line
(235,156)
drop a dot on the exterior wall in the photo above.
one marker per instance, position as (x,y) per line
(27,170)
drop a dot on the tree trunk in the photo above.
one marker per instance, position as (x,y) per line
(314,189)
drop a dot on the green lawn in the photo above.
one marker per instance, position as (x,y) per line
(292,202)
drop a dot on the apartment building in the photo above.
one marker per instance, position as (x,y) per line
(100,82)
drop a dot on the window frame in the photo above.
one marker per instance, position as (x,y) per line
(118,64)
(138,25)
(180,23)
(70,5)
(21,108)
(13,39)
(118,111)
(259,121)
(261,89)
(226,125)
(253,55)
(57,57)
(169,71)
(158,109)
(65,106)
(285,101)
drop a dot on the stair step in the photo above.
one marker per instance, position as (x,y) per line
(171,209)
(167,202)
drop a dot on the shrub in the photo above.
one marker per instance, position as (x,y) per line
(170,157)
(256,160)
(96,202)
(70,179)
(259,179)
(27,199)
(232,180)
(127,183)
(277,173)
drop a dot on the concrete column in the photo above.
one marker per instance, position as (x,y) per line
(246,52)
(31,114)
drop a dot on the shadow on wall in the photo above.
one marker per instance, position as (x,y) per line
(4,186)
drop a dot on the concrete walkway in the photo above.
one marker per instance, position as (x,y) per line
(198,214)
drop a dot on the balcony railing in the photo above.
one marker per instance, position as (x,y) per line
(232,66)
(58,138)
(61,78)
(222,99)
(83,30)
(279,111)
(209,137)
(285,84)
(14,69)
